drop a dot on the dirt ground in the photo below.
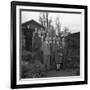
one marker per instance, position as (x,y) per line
(62,73)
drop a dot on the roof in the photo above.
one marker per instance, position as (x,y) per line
(73,35)
(33,21)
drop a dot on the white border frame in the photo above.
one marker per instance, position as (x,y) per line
(53,79)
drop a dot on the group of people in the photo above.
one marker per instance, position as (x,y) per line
(47,49)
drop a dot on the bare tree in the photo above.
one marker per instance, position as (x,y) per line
(66,31)
(58,25)
(45,20)
(49,23)
(52,32)
(42,19)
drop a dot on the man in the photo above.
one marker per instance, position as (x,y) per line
(46,53)
(36,46)
(53,51)
(58,56)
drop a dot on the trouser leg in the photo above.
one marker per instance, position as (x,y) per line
(48,62)
(45,61)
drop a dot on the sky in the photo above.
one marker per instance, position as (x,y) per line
(72,21)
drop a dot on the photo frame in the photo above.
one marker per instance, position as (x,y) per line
(21,12)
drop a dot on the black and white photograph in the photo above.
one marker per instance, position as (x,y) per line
(49,44)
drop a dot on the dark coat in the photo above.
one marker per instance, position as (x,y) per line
(36,45)
(58,55)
